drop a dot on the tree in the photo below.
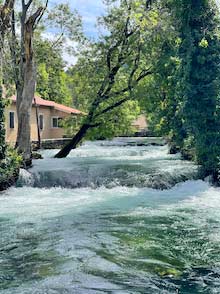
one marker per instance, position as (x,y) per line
(5,21)
(25,72)
(122,59)
(52,80)
(23,56)
(158,94)
(189,107)
(199,80)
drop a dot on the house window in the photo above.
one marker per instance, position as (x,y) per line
(56,122)
(11,120)
(41,122)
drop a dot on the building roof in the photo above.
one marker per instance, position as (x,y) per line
(48,103)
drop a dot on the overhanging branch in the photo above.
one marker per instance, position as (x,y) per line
(41,15)
(123,91)
(111,107)
(130,87)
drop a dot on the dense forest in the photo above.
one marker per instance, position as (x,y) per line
(160,58)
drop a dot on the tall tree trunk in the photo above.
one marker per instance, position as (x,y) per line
(26,83)
(24,106)
(74,142)
(2,121)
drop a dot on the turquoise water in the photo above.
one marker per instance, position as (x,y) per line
(110,239)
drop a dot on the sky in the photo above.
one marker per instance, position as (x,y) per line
(89,10)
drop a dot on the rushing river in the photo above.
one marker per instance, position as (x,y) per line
(104,229)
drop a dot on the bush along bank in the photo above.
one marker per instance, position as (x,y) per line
(188,152)
(9,169)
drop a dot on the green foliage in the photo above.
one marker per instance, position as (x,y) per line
(52,80)
(117,123)
(199,80)
(9,166)
(182,99)
(66,22)
(111,65)
(71,125)
(83,81)
(158,94)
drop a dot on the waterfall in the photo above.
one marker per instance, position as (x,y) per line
(121,162)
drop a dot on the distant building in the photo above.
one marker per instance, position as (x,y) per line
(49,116)
(140,125)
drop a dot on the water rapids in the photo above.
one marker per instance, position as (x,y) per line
(98,236)
(110,164)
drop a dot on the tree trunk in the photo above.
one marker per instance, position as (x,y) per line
(2,126)
(2,122)
(24,106)
(74,142)
(26,85)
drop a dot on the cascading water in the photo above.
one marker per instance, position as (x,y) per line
(110,236)
(110,164)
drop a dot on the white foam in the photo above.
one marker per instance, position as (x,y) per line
(97,163)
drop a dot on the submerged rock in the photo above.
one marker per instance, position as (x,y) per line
(36,155)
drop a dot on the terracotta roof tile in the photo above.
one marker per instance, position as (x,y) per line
(48,103)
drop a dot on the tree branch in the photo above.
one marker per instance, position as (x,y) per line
(111,107)
(5,14)
(121,57)
(42,13)
(123,91)
(143,74)
(136,64)
(23,4)
(28,4)
(109,54)
(128,88)
(33,18)
(57,40)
